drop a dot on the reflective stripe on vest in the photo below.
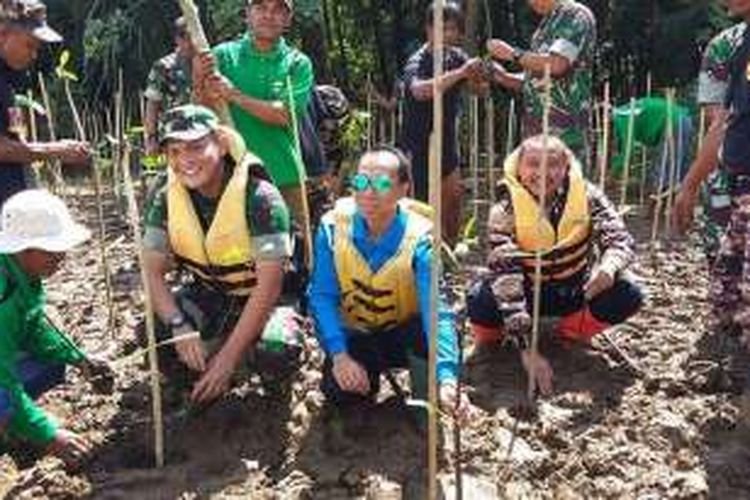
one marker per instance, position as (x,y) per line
(222,258)
(565,251)
(385,299)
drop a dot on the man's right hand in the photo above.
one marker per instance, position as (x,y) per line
(69,447)
(350,375)
(539,369)
(70,152)
(684,207)
(190,349)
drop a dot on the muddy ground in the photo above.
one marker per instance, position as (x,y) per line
(663,425)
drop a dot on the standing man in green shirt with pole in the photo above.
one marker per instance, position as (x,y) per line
(37,230)
(267,84)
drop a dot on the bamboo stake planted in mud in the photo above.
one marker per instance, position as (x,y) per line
(153,359)
(100,209)
(474,153)
(510,138)
(55,166)
(435,191)
(628,154)
(369,112)
(491,149)
(672,150)
(604,160)
(540,221)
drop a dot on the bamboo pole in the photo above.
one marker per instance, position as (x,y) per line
(474,153)
(100,210)
(119,135)
(662,176)
(510,138)
(369,112)
(435,192)
(540,221)
(701,128)
(55,166)
(200,42)
(604,160)
(672,148)
(490,148)
(156,401)
(34,132)
(628,155)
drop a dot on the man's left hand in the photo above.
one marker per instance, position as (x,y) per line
(99,373)
(500,49)
(456,403)
(216,380)
(600,282)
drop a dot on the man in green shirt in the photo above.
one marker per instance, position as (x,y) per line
(37,230)
(565,40)
(228,231)
(267,84)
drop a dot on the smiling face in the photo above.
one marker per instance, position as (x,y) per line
(531,163)
(268,19)
(18,47)
(199,163)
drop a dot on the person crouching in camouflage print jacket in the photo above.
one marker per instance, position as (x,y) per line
(586,294)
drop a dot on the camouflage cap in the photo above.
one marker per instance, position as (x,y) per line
(31,16)
(289,3)
(188,123)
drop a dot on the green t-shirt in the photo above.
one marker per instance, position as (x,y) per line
(26,330)
(267,217)
(282,74)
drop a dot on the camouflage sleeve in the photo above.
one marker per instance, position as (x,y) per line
(713,79)
(575,33)
(506,273)
(155,218)
(269,222)
(615,243)
(156,83)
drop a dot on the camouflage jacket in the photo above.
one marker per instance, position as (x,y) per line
(570,31)
(713,80)
(170,81)
(512,287)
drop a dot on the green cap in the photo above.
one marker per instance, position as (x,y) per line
(188,123)
(31,16)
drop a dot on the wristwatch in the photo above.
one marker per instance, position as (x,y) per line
(176,322)
(518,54)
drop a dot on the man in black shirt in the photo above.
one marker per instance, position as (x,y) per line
(23,28)
(415,137)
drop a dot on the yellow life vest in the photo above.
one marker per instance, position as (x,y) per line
(564,251)
(376,301)
(223,258)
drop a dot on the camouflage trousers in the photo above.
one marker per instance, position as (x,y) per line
(717,207)
(730,277)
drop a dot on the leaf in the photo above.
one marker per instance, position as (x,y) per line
(25,101)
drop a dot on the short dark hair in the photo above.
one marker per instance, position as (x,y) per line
(404,164)
(451,12)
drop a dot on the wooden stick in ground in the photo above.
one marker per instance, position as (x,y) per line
(672,151)
(537,305)
(474,153)
(490,149)
(701,128)
(628,155)
(369,112)
(662,179)
(200,42)
(100,210)
(34,132)
(435,177)
(510,139)
(156,400)
(604,160)
(54,165)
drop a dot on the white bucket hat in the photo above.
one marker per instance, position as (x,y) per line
(38,219)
